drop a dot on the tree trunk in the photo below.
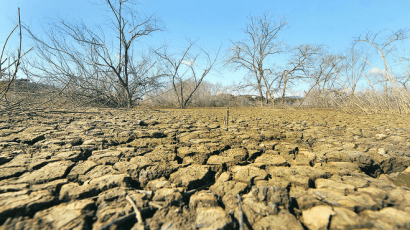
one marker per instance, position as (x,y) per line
(260,90)
(129,99)
(303,100)
(268,90)
(285,81)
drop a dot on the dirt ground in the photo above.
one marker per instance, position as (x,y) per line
(186,169)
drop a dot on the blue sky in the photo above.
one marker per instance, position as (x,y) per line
(330,22)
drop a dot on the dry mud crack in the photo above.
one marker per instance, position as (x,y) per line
(184,169)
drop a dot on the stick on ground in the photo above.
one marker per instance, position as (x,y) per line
(241,226)
(137,212)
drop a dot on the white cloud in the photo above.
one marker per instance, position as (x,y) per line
(375,71)
(188,63)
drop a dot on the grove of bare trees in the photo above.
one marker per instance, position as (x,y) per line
(97,66)
(110,65)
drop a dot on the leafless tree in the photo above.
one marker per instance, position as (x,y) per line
(97,65)
(254,53)
(11,76)
(404,80)
(298,66)
(322,76)
(184,70)
(355,65)
(384,47)
(10,69)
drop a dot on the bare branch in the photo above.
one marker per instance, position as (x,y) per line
(384,47)
(181,76)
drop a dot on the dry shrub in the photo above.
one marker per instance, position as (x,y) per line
(321,99)
(376,102)
(370,101)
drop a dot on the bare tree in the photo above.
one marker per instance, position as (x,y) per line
(384,47)
(355,65)
(12,67)
(298,66)
(254,52)
(185,71)
(96,66)
(404,81)
(323,74)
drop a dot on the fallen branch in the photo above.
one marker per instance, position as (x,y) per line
(155,205)
(137,212)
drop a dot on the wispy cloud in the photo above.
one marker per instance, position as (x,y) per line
(188,63)
(375,71)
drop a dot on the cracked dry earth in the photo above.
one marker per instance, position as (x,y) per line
(182,169)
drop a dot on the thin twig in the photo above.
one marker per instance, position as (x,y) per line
(190,192)
(149,193)
(167,227)
(241,226)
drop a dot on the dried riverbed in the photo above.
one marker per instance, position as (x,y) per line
(183,169)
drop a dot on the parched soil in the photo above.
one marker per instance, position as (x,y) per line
(185,169)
